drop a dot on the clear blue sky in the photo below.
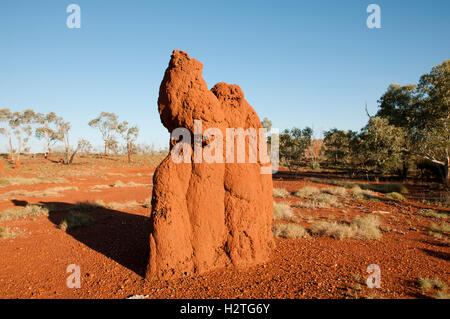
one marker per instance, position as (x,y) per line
(299,63)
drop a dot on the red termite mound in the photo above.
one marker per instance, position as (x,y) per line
(207,215)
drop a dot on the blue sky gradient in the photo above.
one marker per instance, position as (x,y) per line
(299,63)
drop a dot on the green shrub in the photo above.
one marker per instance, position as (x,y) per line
(74,220)
(87,206)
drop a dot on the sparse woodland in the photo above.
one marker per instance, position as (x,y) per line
(409,136)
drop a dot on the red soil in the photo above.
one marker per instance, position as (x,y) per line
(113,252)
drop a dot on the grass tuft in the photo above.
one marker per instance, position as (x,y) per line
(307,192)
(28,211)
(282,211)
(289,231)
(5,232)
(280,193)
(395,196)
(365,228)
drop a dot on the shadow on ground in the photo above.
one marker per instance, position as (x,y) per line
(438,254)
(121,236)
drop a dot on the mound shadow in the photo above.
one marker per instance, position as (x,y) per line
(121,236)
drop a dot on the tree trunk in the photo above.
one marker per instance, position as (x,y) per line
(106,148)
(130,150)
(19,150)
(45,145)
(67,150)
(447,172)
(11,149)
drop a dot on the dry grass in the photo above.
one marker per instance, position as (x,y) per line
(321,200)
(74,220)
(147,203)
(365,228)
(280,193)
(28,211)
(282,211)
(441,229)
(336,191)
(5,232)
(395,196)
(19,180)
(380,188)
(49,192)
(307,192)
(431,213)
(358,193)
(119,184)
(115,205)
(100,187)
(289,231)
(440,287)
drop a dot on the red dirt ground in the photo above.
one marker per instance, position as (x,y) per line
(113,252)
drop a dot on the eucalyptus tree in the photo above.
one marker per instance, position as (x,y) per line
(5,129)
(20,124)
(47,130)
(107,123)
(130,135)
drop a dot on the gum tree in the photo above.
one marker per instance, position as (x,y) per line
(423,111)
(130,135)
(107,123)
(46,132)
(5,129)
(293,145)
(20,123)
(63,129)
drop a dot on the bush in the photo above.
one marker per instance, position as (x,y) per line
(87,206)
(282,211)
(395,196)
(280,193)
(74,220)
(289,231)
